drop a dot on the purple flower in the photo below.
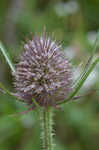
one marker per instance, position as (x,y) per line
(43,73)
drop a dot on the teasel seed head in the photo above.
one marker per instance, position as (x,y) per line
(43,72)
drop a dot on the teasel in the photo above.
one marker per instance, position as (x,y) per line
(43,79)
(43,72)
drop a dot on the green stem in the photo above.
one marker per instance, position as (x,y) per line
(47,128)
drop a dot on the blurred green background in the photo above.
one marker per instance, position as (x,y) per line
(74,23)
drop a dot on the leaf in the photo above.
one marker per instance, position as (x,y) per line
(81,82)
(6,91)
(36,104)
(7,57)
(88,62)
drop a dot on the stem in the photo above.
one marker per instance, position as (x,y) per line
(47,130)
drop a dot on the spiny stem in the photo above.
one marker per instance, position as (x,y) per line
(47,128)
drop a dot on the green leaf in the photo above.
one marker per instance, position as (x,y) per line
(36,104)
(6,91)
(81,82)
(7,57)
(88,62)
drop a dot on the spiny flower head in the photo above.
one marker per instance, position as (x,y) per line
(43,73)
